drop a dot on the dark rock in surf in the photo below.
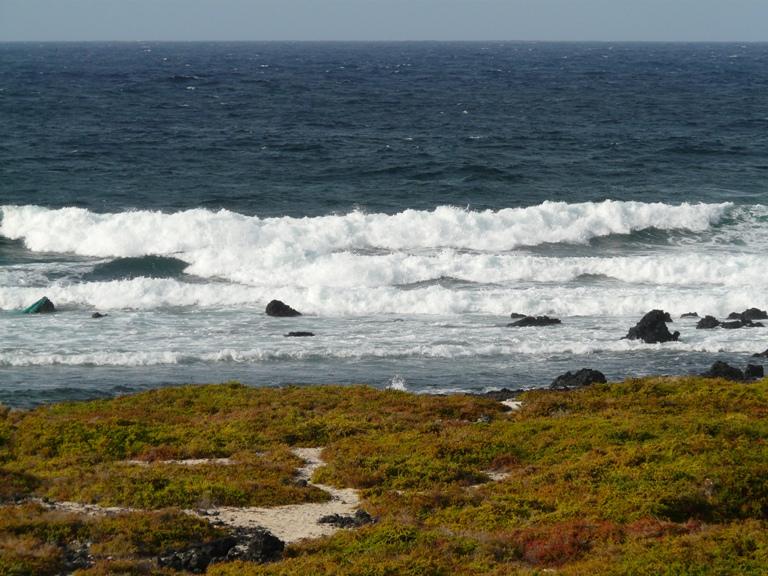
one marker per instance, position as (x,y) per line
(668,317)
(723,370)
(534,321)
(517,315)
(280,309)
(652,329)
(761,354)
(99,315)
(707,323)
(749,315)
(690,315)
(299,334)
(42,306)
(754,372)
(579,379)
(736,324)
(754,314)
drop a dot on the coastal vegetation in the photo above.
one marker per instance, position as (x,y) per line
(647,476)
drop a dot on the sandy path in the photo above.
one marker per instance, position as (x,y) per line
(295,521)
(289,523)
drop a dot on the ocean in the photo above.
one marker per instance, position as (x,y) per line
(405,197)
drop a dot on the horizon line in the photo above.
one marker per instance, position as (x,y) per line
(375,41)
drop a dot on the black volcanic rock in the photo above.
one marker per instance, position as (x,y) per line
(707,323)
(259,546)
(360,518)
(761,354)
(299,334)
(754,372)
(735,324)
(501,395)
(668,317)
(690,315)
(196,559)
(98,315)
(280,309)
(517,315)
(723,370)
(652,329)
(754,314)
(749,315)
(534,321)
(579,379)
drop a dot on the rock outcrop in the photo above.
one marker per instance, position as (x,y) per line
(749,315)
(280,309)
(578,379)
(256,545)
(652,329)
(754,372)
(707,323)
(690,315)
(534,321)
(299,334)
(723,370)
(736,324)
(359,518)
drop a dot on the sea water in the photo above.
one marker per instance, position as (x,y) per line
(406,198)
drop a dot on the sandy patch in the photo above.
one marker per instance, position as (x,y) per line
(85,509)
(289,523)
(295,521)
(512,404)
(188,462)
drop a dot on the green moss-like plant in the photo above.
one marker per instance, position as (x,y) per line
(649,476)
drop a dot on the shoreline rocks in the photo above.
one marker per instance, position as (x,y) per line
(652,329)
(724,370)
(299,334)
(708,323)
(280,310)
(578,379)
(749,315)
(529,321)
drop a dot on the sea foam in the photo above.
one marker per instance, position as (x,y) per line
(138,233)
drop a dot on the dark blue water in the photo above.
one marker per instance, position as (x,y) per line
(407,197)
(307,129)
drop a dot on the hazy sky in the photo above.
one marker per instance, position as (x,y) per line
(684,20)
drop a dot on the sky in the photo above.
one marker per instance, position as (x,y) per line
(608,20)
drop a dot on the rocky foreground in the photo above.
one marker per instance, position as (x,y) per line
(649,476)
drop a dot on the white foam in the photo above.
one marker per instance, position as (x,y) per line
(197,232)
(562,300)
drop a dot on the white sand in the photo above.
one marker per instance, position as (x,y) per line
(296,521)
(188,462)
(289,523)
(512,404)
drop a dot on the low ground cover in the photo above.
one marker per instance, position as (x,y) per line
(649,476)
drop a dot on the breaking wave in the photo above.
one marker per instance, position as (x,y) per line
(194,235)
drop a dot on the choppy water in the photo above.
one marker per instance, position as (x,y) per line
(406,197)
